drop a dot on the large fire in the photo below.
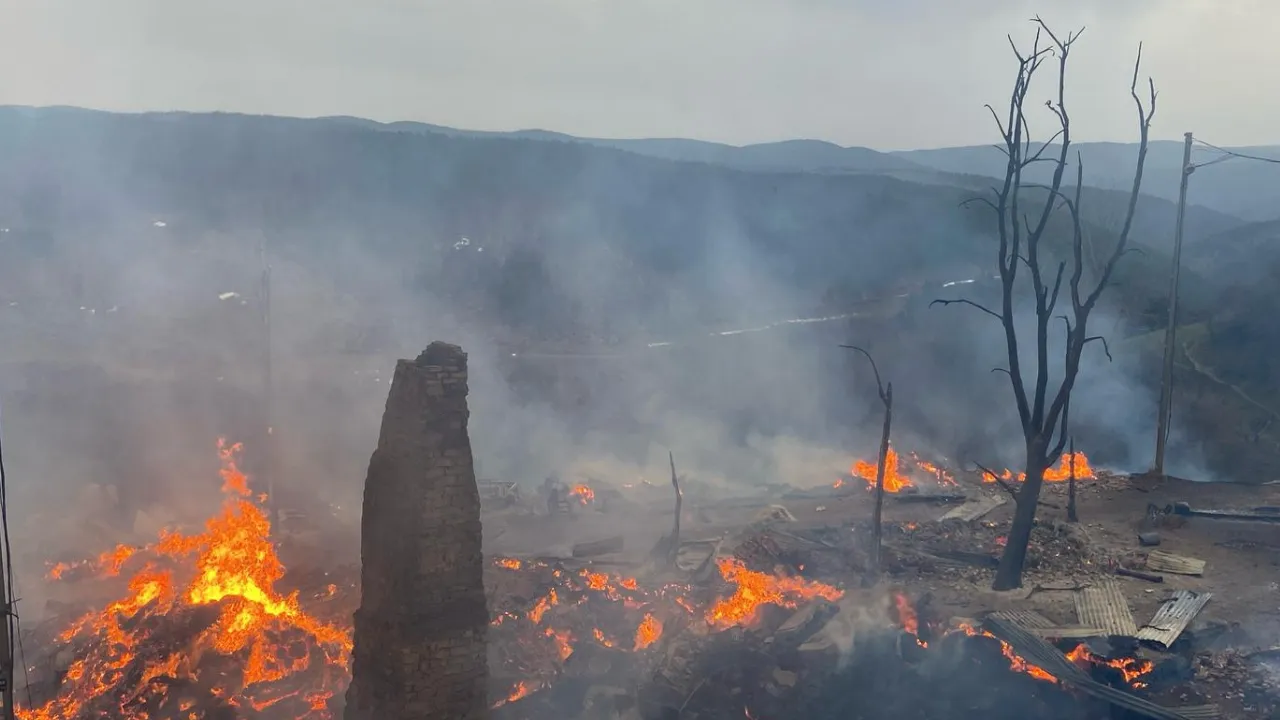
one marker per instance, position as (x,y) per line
(754,589)
(131,662)
(1058,473)
(897,476)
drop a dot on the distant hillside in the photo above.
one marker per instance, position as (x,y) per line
(787,155)
(119,234)
(1245,189)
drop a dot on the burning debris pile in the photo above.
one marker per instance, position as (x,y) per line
(764,622)
(200,631)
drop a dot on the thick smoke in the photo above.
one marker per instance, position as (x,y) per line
(614,307)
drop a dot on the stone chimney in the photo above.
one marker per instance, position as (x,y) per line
(420,631)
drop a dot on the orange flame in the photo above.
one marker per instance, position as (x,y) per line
(1058,473)
(584,493)
(649,631)
(236,569)
(1132,669)
(522,690)
(893,480)
(907,617)
(107,564)
(756,588)
(1016,662)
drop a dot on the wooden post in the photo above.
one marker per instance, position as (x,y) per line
(1071,482)
(1171,329)
(885,390)
(268,439)
(674,549)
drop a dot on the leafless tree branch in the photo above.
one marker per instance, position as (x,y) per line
(880,388)
(963,301)
(1105,348)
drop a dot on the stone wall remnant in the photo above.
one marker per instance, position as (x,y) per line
(420,632)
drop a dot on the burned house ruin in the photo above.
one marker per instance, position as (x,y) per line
(421,627)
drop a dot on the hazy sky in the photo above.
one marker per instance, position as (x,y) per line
(882,73)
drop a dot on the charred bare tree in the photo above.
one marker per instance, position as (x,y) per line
(886,397)
(1022,225)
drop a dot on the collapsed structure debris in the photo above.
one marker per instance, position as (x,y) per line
(421,628)
(772,607)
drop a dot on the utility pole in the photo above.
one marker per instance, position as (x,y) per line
(1170,333)
(268,441)
(6,603)
(6,643)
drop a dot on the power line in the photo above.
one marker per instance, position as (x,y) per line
(1229,154)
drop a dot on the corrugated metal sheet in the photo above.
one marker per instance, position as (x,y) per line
(1034,650)
(1068,632)
(1200,712)
(1043,655)
(1025,619)
(1161,561)
(1173,617)
(1103,606)
(1041,626)
(974,509)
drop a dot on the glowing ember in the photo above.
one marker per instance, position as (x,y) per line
(942,476)
(1058,473)
(598,634)
(649,631)
(584,493)
(519,692)
(118,671)
(564,642)
(907,617)
(756,588)
(509,563)
(544,604)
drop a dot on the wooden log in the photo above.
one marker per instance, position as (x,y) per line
(604,546)
(1149,577)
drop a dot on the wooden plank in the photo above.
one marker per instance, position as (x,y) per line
(1173,617)
(1104,606)
(974,509)
(1161,561)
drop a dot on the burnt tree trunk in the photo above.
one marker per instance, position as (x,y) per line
(1009,572)
(880,470)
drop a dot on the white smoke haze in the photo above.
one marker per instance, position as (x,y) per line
(570,370)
